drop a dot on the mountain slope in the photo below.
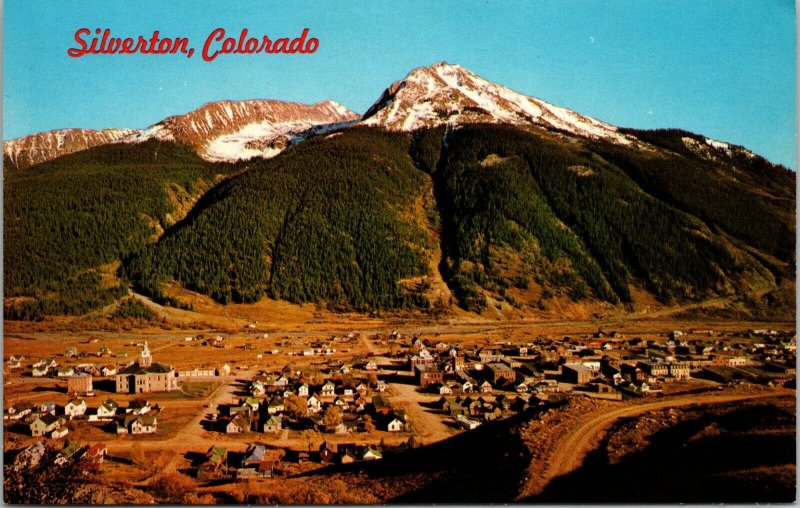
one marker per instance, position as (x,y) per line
(29,150)
(321,222)
(236,130)
(223,131)
(67,218)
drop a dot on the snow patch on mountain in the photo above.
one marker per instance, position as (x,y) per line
(445,94)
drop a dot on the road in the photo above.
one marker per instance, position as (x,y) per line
(571,448)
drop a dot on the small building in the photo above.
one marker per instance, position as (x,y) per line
(328,389)
(238,424)
(144,424)
(44,425)
(576,373)
(273,425)
(428,374)
(75,407)
(654,369)
(216,458)
(138,407)
(395,425)
(500,373)
(80,384)
(679,370)
(381,404)
(108,409)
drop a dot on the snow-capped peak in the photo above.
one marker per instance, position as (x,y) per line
(445,94)
(238,130)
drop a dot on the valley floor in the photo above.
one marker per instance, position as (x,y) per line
(541,454)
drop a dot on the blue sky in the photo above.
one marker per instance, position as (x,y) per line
(725,69)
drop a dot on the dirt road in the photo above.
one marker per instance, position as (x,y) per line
(571,448)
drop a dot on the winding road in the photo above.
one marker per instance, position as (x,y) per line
(571,448)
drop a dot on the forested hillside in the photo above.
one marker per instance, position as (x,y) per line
(521,216)
(319,223)
(65,218)
(517,208)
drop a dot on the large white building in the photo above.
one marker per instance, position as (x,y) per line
(145,376)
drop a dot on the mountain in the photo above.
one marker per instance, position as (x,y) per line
(236,130)
(450,191)
(217,131)
(445,94)
(29,150)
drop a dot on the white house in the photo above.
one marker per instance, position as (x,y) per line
(75,407)
(328,389)
(396,425)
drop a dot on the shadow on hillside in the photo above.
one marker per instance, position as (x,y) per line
(680,466)
(484,465)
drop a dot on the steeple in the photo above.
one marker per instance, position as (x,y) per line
(145,360)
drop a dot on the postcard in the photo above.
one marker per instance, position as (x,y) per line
(372,252)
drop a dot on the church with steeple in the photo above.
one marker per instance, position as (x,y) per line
(146,376)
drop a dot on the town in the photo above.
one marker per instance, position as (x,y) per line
(275,406)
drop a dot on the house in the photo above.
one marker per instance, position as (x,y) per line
(273,424)
(275,406)
(395,425)
(71,352)
(225,370)
(216,458)
(96,453)
(108,370)
(327,452)
(371,453)
(654,369)
(138,407)
(381,404)
(48,408)
(250,402)
(107,409)
(253,455)
(44,425)
(29,457)
(59,433)
(361,388)
(380,386)
(467,423)
(144,424)
(485,387)
(314,404)
(75,407)
(257,389)
(40,371)
(19,411)
(65,372)
(328,389)
(302,390)
(444,389)
(238,424)
(145,376)
(371,366)
(679,370)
